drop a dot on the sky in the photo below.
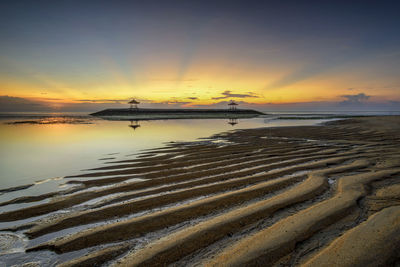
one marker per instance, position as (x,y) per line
(270,55)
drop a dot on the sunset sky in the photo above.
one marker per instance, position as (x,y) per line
(287,55)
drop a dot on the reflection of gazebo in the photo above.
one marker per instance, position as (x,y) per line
(232,105)
(134,125)
(134,102)
(232,121)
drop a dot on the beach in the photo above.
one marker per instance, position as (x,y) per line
(323,195)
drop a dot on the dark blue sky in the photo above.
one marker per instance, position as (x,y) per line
(66,49)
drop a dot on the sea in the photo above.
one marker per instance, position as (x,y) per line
(39,149)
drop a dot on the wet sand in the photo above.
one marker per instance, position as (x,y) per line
(312,195)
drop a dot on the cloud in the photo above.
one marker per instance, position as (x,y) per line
(175,102)
(192,98)
(172,80)
(355,99)
(19,104)
(224,105)
(229,94)
(312,106)
(356,102)
(11,103)
(167,104)
(50,98)
(118,101)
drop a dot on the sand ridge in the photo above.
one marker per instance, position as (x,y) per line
(251,197)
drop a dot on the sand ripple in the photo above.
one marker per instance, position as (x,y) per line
(310,196)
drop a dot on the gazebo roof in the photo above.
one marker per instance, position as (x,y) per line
(133,101)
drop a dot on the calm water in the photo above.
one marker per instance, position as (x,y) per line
(44,153)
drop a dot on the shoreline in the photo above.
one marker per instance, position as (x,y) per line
(204,203)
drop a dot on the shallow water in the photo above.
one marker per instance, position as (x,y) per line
(41,154)
(56,145)
(63,146)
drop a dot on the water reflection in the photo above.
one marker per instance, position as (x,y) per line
(57,149)
(233,121)
(134,124)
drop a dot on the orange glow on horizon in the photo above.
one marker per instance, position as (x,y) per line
(201,83)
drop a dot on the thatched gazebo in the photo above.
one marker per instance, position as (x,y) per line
(133,102)
(232,105)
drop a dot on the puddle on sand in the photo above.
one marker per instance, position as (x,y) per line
(12,252)
(12,243)
(32,259)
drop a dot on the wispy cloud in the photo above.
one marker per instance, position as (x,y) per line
(354,99)
(229,94)
(171,80)
(50,99)
(118,101)
(11,103)
(168,104)
(175,102)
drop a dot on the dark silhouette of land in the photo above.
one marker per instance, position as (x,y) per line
(147,113)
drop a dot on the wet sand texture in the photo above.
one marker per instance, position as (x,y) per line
(314,196)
